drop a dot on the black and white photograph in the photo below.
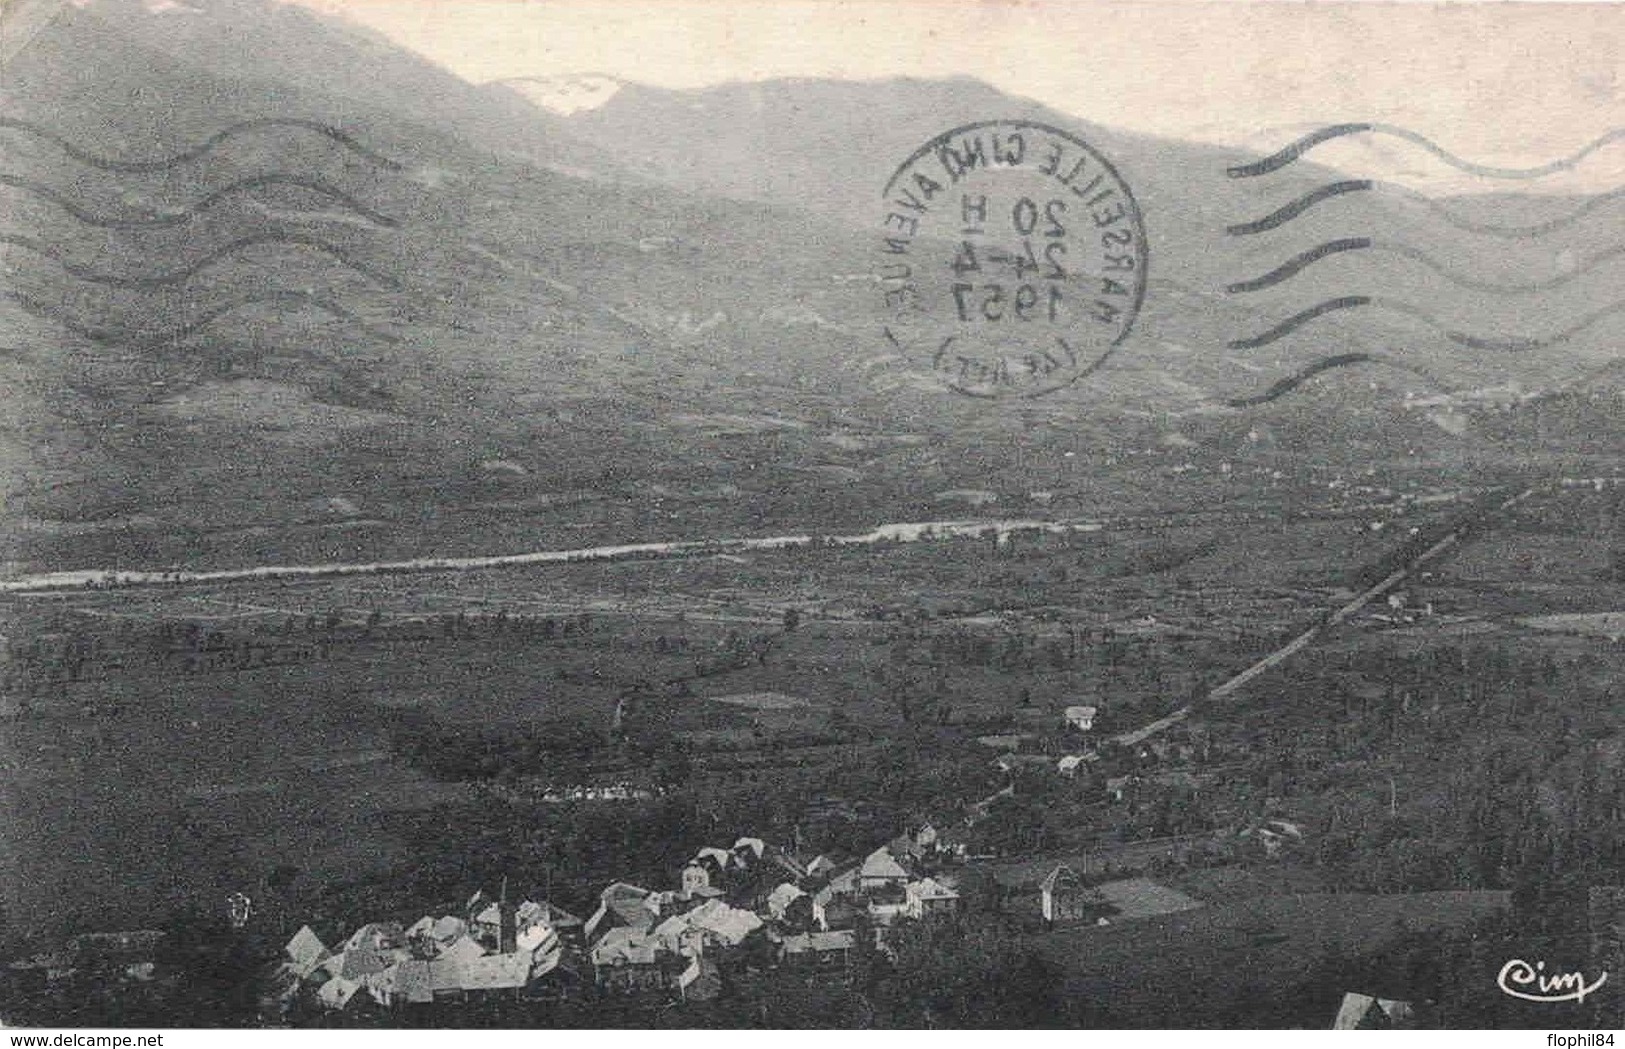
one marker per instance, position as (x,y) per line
(740,515)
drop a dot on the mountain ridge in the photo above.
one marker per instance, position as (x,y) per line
(581,321)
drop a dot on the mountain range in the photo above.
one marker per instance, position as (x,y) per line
(279,290)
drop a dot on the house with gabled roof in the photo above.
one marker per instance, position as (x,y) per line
(497,972)
(365,960)
(912,900)
(546,958)
(821,865)
(722,925)
(624,945)
(381,986)
(930,898)
(337,992)
(329,967)
(449,929)
(560,920)
(305,951)
(621,904)
(713,924)
(699,981)
(1364,1012)
(695,882)
(879,870)
(1273,834)
(842,881)
(537,938)
(1062,897)
(628,960)
(377,935)
(782,896)
(718,860)
(1080,717)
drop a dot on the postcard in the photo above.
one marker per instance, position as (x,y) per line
(821,514)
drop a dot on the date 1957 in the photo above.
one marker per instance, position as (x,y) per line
(1042,264)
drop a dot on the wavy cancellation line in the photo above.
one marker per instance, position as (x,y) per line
(1291,153)
(1282,387)
(186,215)
(181,275)
(327,131)
(1303,260)
(1287,212)
(1474,342)
(147,340)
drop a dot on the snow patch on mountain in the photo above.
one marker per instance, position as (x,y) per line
(566,95)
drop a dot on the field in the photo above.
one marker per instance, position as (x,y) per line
(1610,625)
(1135,898)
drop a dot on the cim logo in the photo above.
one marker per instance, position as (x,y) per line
(1531,983)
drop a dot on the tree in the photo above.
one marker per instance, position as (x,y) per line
(673,767)
(969,972)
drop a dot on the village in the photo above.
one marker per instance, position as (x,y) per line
(750,905)
(754,908)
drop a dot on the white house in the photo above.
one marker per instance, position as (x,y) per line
(1081,718)
(929,896)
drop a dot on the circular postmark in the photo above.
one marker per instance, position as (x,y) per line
(1012,259)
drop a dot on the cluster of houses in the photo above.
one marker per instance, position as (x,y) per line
(748,905)
(559,795)
(1078,718)
(491,947)
(1082,719)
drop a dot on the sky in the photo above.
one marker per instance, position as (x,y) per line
(1503,83)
